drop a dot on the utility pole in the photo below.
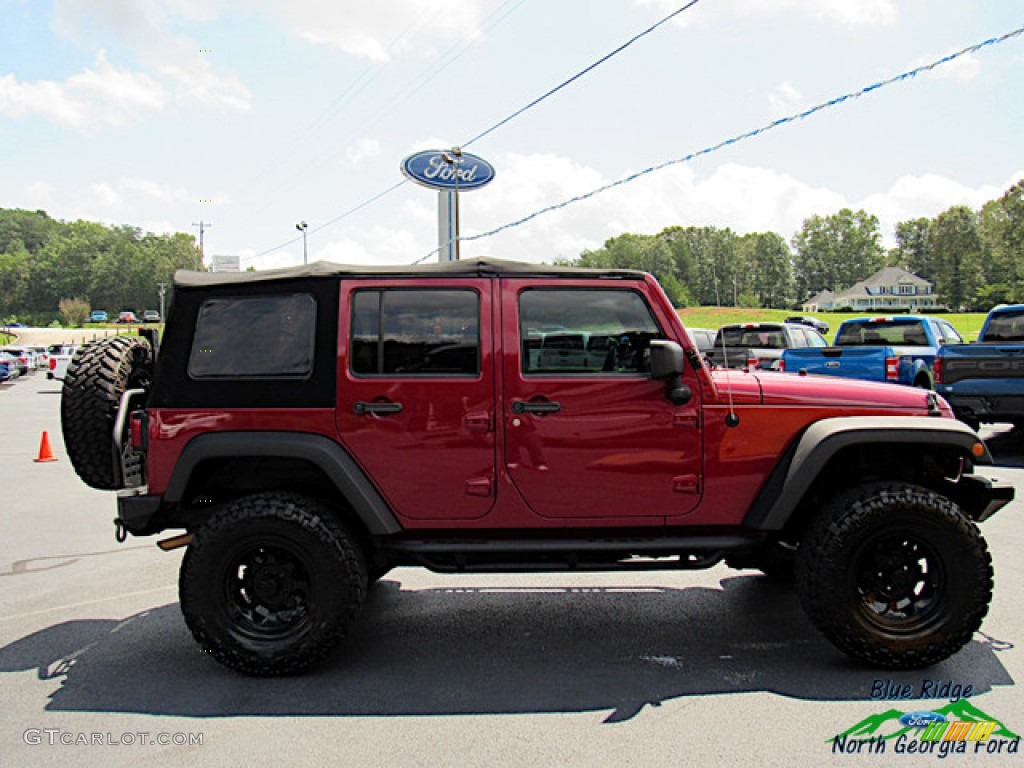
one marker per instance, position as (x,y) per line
(203,226)
(162,290)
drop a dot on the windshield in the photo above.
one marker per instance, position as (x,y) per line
(761,336)
(882,333)
(1005,326)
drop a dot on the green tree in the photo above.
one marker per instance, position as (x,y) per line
(913,250)
(14,278)
(957,248)
(74,312)
(769,269)
(834,252)
(1001,223)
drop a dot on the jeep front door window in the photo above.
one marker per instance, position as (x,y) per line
(589,435)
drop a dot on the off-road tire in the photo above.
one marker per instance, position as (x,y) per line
(894,575)
(97,376)
(271,584)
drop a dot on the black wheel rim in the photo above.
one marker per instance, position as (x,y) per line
(900,582)
(266,589)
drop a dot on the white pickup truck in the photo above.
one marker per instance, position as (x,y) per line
(60,356)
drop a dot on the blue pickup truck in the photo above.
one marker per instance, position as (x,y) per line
(901,349)
(984,381)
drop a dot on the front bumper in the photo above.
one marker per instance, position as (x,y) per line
(981,497)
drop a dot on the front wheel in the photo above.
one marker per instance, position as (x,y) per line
(271,584)
(894,575)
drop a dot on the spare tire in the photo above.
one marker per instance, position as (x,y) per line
(97,376)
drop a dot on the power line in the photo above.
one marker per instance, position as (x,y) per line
(910,74)
(582,72)
(336,219)
(512,116)
(446,59)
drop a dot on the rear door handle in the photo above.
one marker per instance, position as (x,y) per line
(545,406)
(381,409)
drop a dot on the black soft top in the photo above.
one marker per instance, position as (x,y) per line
(484,267)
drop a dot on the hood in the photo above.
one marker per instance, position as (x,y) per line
(798,389)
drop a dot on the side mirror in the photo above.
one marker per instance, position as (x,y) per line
(666,359)
(667,363)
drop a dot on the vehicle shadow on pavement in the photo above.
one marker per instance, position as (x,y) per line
(1007,448)
(484,651)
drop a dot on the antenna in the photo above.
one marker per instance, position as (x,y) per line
(731,419)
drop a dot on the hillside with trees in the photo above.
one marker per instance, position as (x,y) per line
(974,258)
(44,261)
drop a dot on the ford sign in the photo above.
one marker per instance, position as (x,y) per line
(438,169)
(921,719)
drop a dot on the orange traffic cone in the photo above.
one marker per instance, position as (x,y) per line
(45,451)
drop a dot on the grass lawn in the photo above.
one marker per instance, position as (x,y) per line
(5,339)
(968,323)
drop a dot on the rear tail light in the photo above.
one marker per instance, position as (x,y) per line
(782,364)
(938,370)
(751,364)
(892,369)
(137,430)
(53,363)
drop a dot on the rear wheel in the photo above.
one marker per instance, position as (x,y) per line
(271,584)
(96,378)
(895,575)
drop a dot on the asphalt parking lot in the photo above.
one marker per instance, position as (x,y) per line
(717,667)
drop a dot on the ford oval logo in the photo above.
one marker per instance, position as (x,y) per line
(921,719)
(462,172)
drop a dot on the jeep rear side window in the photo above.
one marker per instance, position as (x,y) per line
(571,331)
(254,337)
(416,332)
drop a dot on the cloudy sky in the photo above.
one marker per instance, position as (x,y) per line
(253,115)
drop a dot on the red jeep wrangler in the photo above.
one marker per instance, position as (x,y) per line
(311,428)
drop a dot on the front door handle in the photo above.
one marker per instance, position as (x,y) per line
(381,409)
(544,406)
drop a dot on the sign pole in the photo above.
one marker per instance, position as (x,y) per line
(447,226)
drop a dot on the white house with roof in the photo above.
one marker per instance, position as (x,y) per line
(891,288)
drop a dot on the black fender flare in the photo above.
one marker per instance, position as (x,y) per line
(319,450)
(805,458)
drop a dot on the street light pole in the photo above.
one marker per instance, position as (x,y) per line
(302,227)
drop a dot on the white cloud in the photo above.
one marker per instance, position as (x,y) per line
(104,195)
(145,28)
(848,13)
(161,192)
(129,200)
(361,150)
(102,94)
(743,198)
(785,100)
(378,31)
(912,197)
(960,70)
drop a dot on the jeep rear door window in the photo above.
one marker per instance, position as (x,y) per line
(416,332)
(254,337)
(580,331)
